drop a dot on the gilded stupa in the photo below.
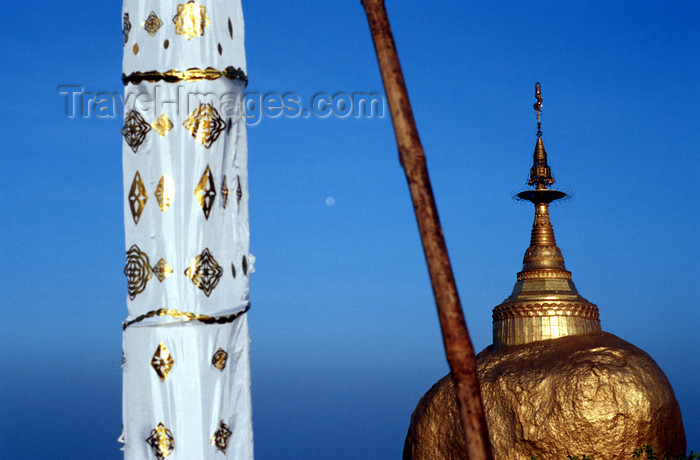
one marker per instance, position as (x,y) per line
(552,383)
(545,303)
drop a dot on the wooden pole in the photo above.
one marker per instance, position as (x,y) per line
(458,345)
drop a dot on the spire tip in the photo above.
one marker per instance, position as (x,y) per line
(538,108)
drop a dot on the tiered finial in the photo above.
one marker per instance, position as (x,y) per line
(540,173)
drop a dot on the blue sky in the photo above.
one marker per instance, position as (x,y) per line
(344,333)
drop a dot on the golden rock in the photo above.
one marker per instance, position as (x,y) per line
(591,394)
(552,384)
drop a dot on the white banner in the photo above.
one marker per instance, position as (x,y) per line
(186,371)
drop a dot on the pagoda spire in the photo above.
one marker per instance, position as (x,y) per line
(540,173)
(544,303)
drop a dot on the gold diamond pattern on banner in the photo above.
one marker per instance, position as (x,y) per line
(137,271)
(162,270)
(219,359)
(239,192)
(138,196)
(161,441)
(165,192)
(204,124)
(191,19)
(221,437)
(162,362)
(205,192)
(224,192)
(205,272)
(135,127)
(162,125)
(152,24)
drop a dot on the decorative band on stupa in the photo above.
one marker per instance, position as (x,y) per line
(544,303)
